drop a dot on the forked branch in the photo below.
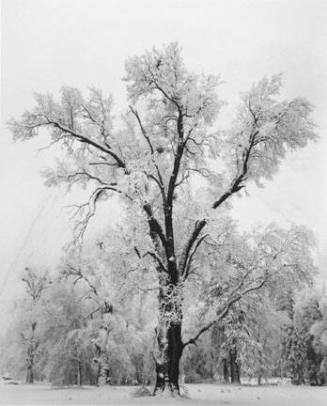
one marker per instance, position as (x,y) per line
(225,309)
(199,225)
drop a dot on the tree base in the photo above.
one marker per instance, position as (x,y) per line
(142,392)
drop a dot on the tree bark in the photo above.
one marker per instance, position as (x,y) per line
(29,374)
(169,345)
(79,373)
(168,358)
(225,371)
(234,367)
(102,360)
(103,372)
(31,349)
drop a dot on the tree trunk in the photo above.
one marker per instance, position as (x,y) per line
(225,371)
(104,375)
(101,360)
(29,374)
(167,361)
(234,366)
(102,372)
(31,350)
(79,373)
(169,345)
(175,349)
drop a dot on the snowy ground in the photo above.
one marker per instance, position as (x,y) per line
(198,395)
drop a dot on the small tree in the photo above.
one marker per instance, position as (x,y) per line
(165,143)
(65,349)
(319,337)
(35,284)
(305,359)
(105,309)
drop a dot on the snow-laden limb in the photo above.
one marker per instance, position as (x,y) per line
(253,263)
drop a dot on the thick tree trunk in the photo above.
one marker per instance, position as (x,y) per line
(168,358)
(102,372)
(175,349)
(29,374)
(225,371)
(102,360)
(234,366)
(169,345)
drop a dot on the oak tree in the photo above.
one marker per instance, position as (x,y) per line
(165,144)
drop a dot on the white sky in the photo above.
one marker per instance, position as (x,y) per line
(47,44)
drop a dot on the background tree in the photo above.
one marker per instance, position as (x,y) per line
(166,142)
(71,322)
(262,261)
(35,285)
(305,356)
(319,332)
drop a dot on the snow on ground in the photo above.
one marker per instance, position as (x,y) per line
(203,394)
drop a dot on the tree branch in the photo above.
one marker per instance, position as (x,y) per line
(81,226)
(199,225)
(77,272)
(85,173)
(148,140)
(178,158)
(154,225)
(224,311)
(190,259)
(81,138)
(237,183)
(157,259)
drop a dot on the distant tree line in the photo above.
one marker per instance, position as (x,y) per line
(65,331)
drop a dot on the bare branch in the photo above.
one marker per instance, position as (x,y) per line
(190,259)
(143,131)
(85,173)
(159,181)
(83,139)
(137,252)
(157,259)
(224,311)
(154,225)
(91,206)
(199,225)
(184,178)
(237,183)
(77,272)
(177,160)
